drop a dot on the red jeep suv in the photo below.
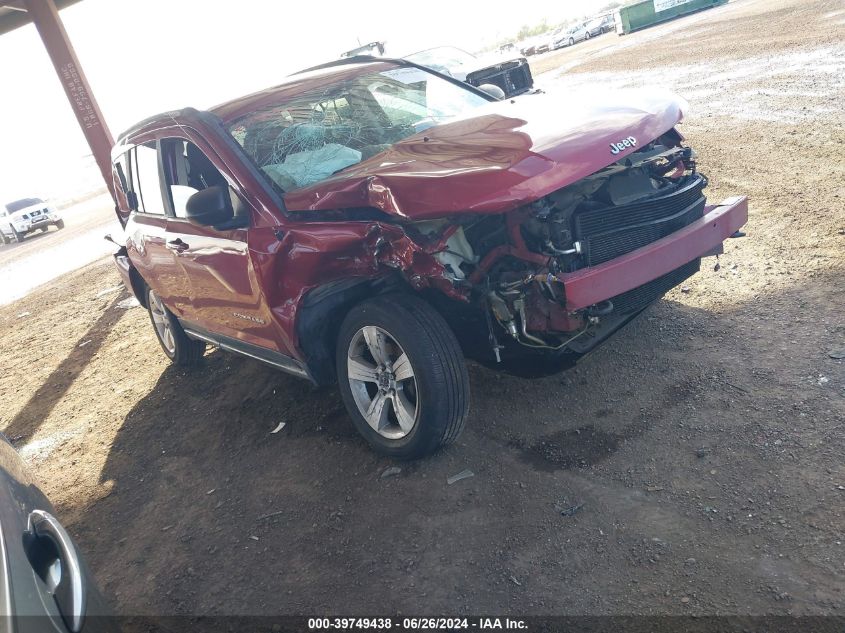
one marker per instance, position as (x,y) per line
(372,222)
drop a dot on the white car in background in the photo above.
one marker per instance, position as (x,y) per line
(570,36)
(21,217)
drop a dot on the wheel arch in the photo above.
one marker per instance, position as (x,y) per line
(321,313)
(139,286)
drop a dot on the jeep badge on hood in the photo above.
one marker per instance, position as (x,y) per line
(625,143)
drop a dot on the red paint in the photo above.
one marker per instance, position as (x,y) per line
(597,283)
(501,157)
(250,283)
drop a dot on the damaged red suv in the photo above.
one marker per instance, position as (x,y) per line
(371,222)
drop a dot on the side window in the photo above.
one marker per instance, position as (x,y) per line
(121,171)
(187,170)
(145,179)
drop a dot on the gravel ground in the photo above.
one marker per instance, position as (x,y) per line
(693,465)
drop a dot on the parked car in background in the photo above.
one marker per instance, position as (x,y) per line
(599,25)
(529,47)
(544,45)
(512,76)
(507,49)
(21,217)
(45,585)
(571,35)
(370,222)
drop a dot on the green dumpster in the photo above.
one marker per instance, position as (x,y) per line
(650,12)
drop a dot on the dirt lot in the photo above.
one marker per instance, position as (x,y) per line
(702,447)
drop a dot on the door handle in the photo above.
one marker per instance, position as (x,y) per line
(50,543)
(177,245)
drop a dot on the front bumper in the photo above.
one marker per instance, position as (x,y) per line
(34,226)
(595,284)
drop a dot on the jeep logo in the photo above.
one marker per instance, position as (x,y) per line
(622,145)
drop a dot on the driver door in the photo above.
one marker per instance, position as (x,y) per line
(225,298)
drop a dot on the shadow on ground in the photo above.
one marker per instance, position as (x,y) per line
(584,483)
(32,415)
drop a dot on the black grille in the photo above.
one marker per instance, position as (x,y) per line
(512,77)
(638,298)
(613,231)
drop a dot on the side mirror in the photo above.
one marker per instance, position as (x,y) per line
(210,207)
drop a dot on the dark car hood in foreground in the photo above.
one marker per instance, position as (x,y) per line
(509,153)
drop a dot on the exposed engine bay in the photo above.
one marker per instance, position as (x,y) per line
(510,266)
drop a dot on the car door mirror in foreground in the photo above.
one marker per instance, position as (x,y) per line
(210,207)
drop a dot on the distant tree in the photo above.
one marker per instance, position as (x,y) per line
(530,31)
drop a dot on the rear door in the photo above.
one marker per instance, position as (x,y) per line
(146,229)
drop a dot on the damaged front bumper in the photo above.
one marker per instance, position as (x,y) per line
(593,285)
(556,317)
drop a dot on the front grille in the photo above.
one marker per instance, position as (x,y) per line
(512,77)
(638,298)
(613,231)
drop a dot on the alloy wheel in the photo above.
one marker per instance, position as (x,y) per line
(162,323)
(382,382)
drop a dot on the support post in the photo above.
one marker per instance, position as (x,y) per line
(45,16)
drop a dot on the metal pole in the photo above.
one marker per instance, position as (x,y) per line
(45,16)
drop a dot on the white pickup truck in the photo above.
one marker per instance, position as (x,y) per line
(21,217)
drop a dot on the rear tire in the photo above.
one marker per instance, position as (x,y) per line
(587,35)
(177,346)
(572,41)
(411,395)
(3,238)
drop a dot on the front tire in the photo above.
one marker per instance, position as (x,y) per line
(60,224)
(402,376)
(572,41)
(19,237)
(587,35)
(176,345)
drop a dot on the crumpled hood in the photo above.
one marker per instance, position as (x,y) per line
(500,157)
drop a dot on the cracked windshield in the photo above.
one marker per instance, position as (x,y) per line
(309,137)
